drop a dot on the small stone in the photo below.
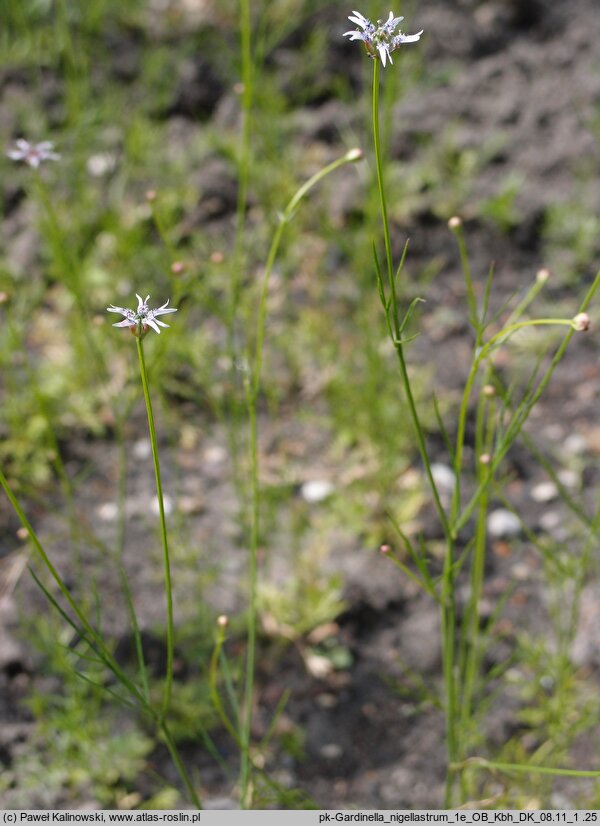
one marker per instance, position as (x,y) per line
(520,571)
(569,478)
(142,449)
(316,490)
(443,476)
(318,666)
(503,523)
(575,444)
(107,511)
(214,455)
(331,751)
(190,505)
(544,492)
(327,700)
(550,521)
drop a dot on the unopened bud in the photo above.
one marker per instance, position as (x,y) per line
(454,222)
(385,549)
(489,390)
(542,275)
(354,154)
(22,533)
(177,267)
(223,621)
(485,458)
(217,257)
(581,322)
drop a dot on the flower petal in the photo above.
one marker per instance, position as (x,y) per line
(360,20)
(165,308)
(407,38)
(150,322)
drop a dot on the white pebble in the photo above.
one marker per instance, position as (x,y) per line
(316,491)
(107,511)
(142,449)
(503,523)
(443,476)
(544,492)
(550,521)
(568,477)
(575,444)
(331,751)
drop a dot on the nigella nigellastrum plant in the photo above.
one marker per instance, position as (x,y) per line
(140,320)
(382,39)
(33,154)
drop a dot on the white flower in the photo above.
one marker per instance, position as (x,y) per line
(33,154)
(141,319)
(380,40)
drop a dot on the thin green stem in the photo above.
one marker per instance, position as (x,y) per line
(179,765)
(479,327)
(393,303)
(245,151)
(448,609)
(470,641)
(521,416)
(93,638)
(379,167)
(351,156)
(466,268)
(519,768)
(163,527)
(481,353)
(236,405)
(253,380)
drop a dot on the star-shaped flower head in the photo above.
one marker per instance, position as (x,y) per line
(140,320)
(380,40)
(33,154)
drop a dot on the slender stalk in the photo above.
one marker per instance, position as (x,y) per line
(179,765)
(163,528)
(253,380)
(93,638)
(521,416)
(448,609)
(235,408)
(471,627)
(466,268)
(379,167)
(519,768)
(245,152)
(394,309)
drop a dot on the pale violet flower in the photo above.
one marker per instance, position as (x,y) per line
(141,319)
(33,154)
(380,40)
